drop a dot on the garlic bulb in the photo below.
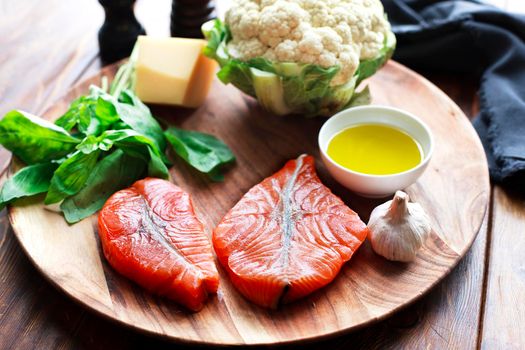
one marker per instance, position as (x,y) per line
(398,228)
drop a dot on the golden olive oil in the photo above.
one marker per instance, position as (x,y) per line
(375,149)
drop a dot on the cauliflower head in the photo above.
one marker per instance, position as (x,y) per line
(301,56)
(326,33)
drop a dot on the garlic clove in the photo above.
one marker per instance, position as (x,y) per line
(398,228)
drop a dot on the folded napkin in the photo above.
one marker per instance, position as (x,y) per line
(475,38)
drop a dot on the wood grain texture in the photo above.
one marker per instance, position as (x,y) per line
(368,288)
(504,317)
(51,63)
(448,316)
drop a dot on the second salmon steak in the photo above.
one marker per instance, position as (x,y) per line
(287,237)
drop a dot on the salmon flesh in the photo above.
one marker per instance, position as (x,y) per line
(287,237)
(151,234)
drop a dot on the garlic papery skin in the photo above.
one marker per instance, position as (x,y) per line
(398,228)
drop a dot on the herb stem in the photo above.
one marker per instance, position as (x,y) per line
(125,77)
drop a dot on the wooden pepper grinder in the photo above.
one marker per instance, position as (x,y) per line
(187,17)
(120,30)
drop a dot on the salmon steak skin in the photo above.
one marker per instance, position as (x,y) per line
(151,235)
(287,237)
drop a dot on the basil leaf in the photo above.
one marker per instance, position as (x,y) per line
(202,151)
(28,181)
(134,144)
(80,113)
(92,114)
(141,147)
(34,140)
(156,166)
(139,118)
(128,138)
(114,172)
(71,176)
(92,143)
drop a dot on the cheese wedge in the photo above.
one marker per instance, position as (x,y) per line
(173,71)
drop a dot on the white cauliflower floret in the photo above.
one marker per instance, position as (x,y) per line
(242,21)
(327,33)
(249,48)
(286,51)
(277,22)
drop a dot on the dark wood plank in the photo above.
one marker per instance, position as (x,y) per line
(46,45)
(504,318)
(45,48)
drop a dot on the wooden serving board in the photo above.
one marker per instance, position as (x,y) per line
(454,190)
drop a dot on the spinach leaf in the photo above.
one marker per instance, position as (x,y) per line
(28,181)
(34,140)
(114,172)
(71,176)
(202,151)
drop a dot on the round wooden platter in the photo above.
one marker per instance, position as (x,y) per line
(454,190)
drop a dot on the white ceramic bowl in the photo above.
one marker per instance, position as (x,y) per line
(376,185)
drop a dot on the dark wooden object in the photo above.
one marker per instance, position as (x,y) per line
(120,30)
(187,17)
(35,315)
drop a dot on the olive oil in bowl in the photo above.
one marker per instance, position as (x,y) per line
(375,149)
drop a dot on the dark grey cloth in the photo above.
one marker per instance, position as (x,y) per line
(474,38)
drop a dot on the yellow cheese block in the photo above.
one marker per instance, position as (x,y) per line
(173,71)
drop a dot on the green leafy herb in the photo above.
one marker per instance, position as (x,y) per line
(134,144)
(116,171)
(28,181)
(156,166)
(80,113)
(139,146)
(100,111)
(71,176)
(101,144)
(125,77)
(34,140)
(202,151)
(139,118)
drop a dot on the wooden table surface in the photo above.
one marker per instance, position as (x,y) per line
(48,46)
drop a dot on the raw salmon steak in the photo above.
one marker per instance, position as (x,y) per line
(151,234)
(287,237)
